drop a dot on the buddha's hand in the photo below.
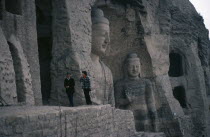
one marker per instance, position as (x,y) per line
(130,98)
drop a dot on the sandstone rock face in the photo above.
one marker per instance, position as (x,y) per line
(157,31)
(95,121)
(7,74)
(75,54)
(20,22)
(71,47)
(168,36)
(22,72)
(167,29)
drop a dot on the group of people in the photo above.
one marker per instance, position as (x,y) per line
(69,84)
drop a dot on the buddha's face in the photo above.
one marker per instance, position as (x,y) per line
(133,68)
(100,38)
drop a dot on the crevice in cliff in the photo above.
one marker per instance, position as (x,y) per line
(44,35)
(176,67)
(179,94)
(14,6)
(1,9)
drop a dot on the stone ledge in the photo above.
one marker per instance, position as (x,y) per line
(53,121)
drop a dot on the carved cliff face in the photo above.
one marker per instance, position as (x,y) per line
(100,38)
(133,68)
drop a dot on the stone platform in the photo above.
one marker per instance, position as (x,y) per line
(54,121)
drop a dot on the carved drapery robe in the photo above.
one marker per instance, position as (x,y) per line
(102,87)
(137,96)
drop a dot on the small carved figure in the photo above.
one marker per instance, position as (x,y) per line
(136,94)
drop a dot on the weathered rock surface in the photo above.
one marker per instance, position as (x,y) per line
(22,72)
(20,22)
(168,36)
(7,74)
(94,121)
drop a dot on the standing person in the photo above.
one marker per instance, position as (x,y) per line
(85,80)
(69,85)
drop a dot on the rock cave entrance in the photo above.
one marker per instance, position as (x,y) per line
(14,6)
(44,35)
(18,73)
(176,67)
(1,9)
(179,94)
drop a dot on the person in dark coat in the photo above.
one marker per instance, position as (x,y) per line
(85,80)
(69,85)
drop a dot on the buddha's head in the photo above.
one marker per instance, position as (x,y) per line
(133,65)
(100,32)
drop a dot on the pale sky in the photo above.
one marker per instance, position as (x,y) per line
(203,7)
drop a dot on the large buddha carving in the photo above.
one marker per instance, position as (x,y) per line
(136,94)
(102,82)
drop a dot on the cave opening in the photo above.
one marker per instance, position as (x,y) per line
(14,6)
(44,35)
(1,9)
(176,67)
(179,94)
